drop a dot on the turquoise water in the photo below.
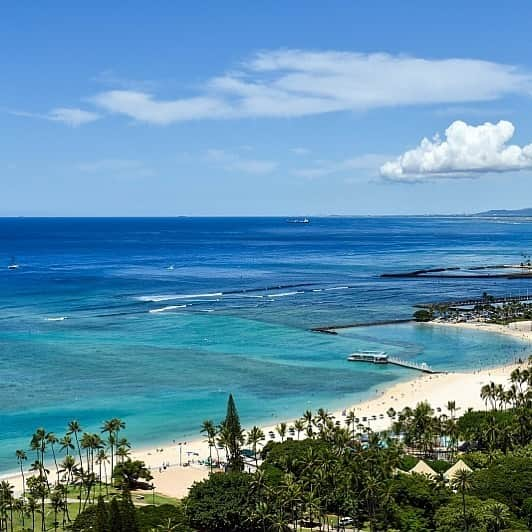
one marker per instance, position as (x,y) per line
(166,371)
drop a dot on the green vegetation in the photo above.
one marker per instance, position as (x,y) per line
(487,310)
(423,315)
(341,475)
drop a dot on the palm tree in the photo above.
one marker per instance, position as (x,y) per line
(322,418)
(40,485)
(263,515)
(308,419)
(6,502)
(299,427)
(32,508)
(279,523)
(19,505)
(350,421)
(451,430)
(51,440)
(313,505)
(68,466)
(113,427)
(66,444)
(281,430)
(498,517)
(255,436)
(102,459)
(21,457)
(122,453)
(56,500)
(293,497)
(451,406)
(222,439)
(462,482)
(492,432)
(75,428)
(209,429)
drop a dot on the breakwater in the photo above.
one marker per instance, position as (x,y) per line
(459,272)
(331,329)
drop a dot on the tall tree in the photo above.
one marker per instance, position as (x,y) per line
(462,483)
(208,428)
(255,436)
(235,436)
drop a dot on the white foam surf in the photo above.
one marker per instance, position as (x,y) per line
(284,294)
(170,297)
(164,309)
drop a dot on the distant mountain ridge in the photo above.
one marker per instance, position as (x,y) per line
(504,212)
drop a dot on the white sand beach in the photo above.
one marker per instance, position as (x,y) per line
(462,387)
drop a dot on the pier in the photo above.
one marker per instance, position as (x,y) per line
(423,367)
(380,357)
(331,329)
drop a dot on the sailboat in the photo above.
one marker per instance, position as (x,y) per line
(13,264)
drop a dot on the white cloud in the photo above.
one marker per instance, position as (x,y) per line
(291,83)
(144,108)
(368,161)
(300,151)
(467,150)
(73,117)
(116,167)
(112,79)
(233,162)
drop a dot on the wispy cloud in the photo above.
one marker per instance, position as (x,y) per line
(292,83)
(300,151)
(368,161)
(113,79)
(466,151)
(234,162)
(70,116)
(115,167)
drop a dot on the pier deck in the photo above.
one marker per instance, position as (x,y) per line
(412,365)
(379,357)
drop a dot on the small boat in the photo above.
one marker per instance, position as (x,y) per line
(13,264)
(299,221)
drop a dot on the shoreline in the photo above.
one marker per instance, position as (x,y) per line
(174,480)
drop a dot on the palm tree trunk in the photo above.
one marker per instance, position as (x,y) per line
(55,462)
(464,511)
(79,451)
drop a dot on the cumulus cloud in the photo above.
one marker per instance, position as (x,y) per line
(73,117)
(234,162)
(466,150)
(292,83)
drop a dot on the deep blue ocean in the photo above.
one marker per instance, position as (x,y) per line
(157,320)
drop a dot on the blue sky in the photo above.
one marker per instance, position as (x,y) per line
(278,108)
